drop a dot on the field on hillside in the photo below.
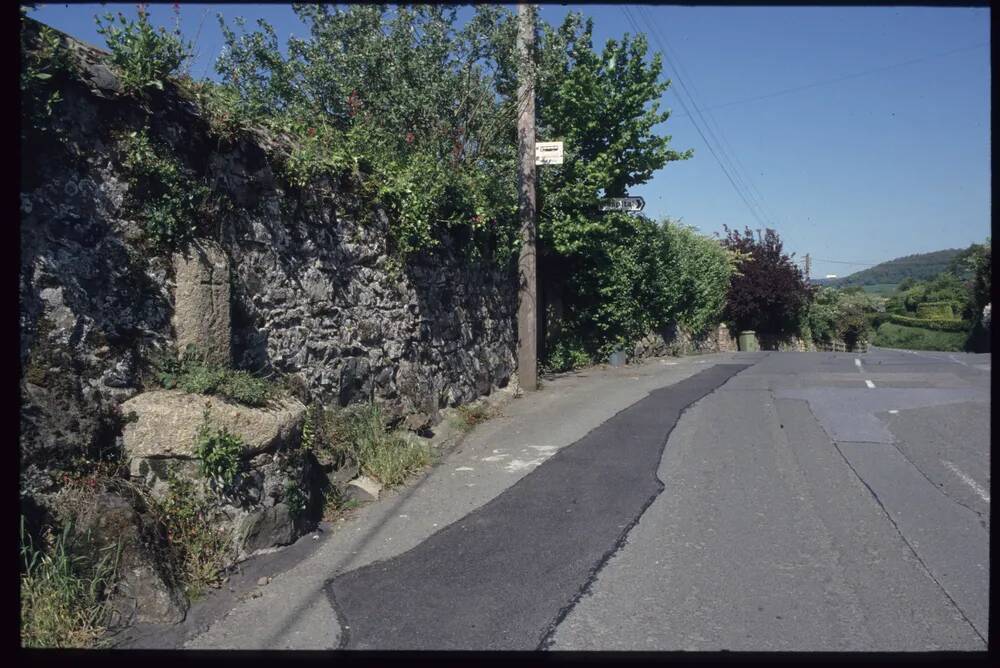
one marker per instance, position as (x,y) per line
(885,289)
(891,335)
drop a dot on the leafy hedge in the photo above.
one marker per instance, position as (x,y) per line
(644,276)
(934,325)
(842,314)
(892,335)
(936,310)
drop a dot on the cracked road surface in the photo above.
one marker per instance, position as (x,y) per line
(809,504)
(501,577)
(811,501)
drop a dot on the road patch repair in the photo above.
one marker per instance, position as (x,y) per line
(502,577)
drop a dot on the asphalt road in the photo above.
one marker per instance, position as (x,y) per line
(502,577)
(822,501)
(769,501)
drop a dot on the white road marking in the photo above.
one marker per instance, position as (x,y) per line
(967,479)
(857,363)
(893,411)
(494,458)
(518,465)
(955,359)
(668,363)
(870,384)
(465,468)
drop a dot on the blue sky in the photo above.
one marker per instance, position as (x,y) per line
(891,157)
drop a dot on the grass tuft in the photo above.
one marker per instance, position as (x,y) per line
(197,546)
(385,456)
(198,377)
(469,416)
(63,594)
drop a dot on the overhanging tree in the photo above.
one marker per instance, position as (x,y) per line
(768,293)
(605,269)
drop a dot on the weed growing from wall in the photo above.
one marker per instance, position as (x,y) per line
(41,66)
(143,56)
(471,415)
(295,499)
(161,194)
(197,547)
(219,456)
(193,375)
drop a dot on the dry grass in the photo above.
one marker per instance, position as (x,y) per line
(63,594)
(385,456)
(469,416)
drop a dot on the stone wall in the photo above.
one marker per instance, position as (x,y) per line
(783,343)
(674,340)
(314,293)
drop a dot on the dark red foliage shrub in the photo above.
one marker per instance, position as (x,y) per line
(768,293)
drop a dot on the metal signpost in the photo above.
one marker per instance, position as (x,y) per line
(632,204)
(548,153)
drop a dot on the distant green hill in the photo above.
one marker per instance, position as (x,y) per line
(921,266)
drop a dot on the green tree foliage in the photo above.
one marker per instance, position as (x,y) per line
(604,107)
(627,286)
(652,275)
(944,287)
(975,262)
(768,293)
(978,261)
(844,315)
(699,270)
(609,269)
(426,111)
(402,96)
(964,289)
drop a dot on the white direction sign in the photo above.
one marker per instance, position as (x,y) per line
(623,204)
(548,153)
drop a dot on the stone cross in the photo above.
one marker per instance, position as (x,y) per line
(201,301)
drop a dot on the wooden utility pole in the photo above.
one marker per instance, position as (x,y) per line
(527,306)
(808,266)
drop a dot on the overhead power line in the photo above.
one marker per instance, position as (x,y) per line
(686,82)
(846,77)
(736,165)
(732,181)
